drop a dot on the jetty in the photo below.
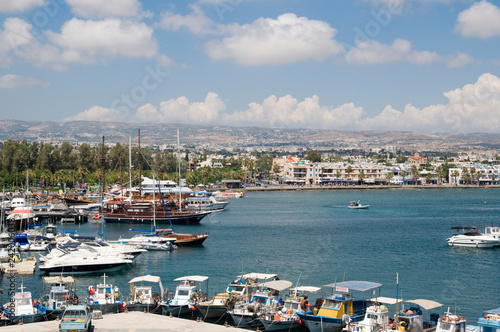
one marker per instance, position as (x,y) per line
(24,267)
(131,321)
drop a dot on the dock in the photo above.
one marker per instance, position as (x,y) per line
(26,266)
(132,322)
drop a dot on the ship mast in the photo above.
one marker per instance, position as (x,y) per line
(103,180)
(179,159)
(140,162)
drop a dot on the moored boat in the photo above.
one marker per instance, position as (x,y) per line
(471,237)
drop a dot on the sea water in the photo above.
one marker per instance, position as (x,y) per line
(312,239)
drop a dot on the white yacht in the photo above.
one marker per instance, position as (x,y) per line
(471,237)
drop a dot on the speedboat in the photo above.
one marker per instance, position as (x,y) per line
(357,205)
(187,294)
(339,307)
(265,298)
(83,260)
(471,237)
(239,291)
(286,318)
(150,242)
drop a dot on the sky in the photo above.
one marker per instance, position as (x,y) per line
(399,65)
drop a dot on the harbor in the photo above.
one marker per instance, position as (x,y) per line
(312,238)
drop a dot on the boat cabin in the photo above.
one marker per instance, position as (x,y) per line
(61,293)
(414,315)
(451,323)
(24,304)
(492,231)
(490,321)
(187,291)
(243,287)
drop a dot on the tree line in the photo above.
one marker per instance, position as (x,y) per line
(51,165)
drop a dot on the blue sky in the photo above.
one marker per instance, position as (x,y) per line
(417,65)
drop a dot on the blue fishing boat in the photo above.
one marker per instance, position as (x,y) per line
(336,309)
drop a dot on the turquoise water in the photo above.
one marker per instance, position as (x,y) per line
(313,238)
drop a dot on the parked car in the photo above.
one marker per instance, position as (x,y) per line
(76,318)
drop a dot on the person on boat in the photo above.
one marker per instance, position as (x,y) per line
(305,305)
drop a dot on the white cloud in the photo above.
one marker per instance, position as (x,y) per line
(19,5)
(88,41)
(472,108)
(373,52)
(370,52)
(287,39)
(196,22)
(97,113)
(108,8)
(181,110)
(481,20)
(14,81)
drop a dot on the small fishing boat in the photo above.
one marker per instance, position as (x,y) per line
(143,298)
(61,293)
(187,294)
(105,298)
(338,307)
(357,205)
(22,310)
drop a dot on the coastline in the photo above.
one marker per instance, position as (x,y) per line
(362,187)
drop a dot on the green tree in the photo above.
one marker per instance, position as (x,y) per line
(404,174)
(388,177)
(455,174)
(313,156)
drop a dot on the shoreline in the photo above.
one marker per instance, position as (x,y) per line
(362,187)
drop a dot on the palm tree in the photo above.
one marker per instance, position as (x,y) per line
(493,178)
(455,174)
(204,173)
(438,171)
(404,174)
(428,177)
(388,177)
(478,176)
(472,173)
(348,170)
(466,177)
(361,176)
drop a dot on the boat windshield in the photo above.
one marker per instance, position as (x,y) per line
(261,300)
(59,296)
(332,304)
(182,292)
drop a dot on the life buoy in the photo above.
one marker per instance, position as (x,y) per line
(97,216)
(478,231)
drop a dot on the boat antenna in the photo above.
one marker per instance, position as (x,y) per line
(165,207)
(397,295)
(297,285)
(130,163)
(103,180)
(179,160)
(140,161)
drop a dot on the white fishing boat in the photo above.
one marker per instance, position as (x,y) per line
(61,293)
(105,297)
(187,293)
(240,290)
(471,237)
(357,205)
(144,297)
(267,296)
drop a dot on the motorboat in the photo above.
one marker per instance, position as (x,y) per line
(21,242)
(105,298)
(471,237)
(207,202)
(357,205)
(150,242)
(338,307)
(187,293)
(21,217)
(230,194)
(183,239)
(285,318)
(267,296)
(240,290)
(143,298)
(83,260)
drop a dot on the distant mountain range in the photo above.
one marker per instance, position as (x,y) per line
(218,137)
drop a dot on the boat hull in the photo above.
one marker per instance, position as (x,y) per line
(270,325)
(81,269)
(180,310)
(211,311)
(246,320)
(192,219)
(320,323)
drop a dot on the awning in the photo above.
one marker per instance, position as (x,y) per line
(360,286)
(258,276)
(192,278)
(426,304)
(147,278)
(58,280)
(310,289)
(386,300)
(493,311)
(278,285)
